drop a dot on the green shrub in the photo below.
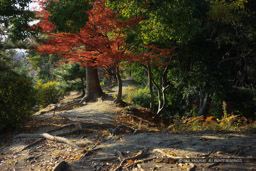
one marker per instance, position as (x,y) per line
(138,96)
(16,100)
(64,87)
(47,93)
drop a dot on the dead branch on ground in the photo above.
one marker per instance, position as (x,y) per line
(51,131)
(49,137)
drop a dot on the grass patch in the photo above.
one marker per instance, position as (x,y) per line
(137,96)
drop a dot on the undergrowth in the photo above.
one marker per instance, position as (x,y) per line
(233,123)
(137,96)
(141,118)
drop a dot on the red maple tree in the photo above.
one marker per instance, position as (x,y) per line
(100,43)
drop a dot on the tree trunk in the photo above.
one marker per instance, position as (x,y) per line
(120,86)
(159,95)
(165,85)
(161,90)
(83,89)
(93,89)
(203,104)
(150,84)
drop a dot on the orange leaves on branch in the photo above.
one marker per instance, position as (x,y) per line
(130,161)
(91,46)
(45,24)
(43,15)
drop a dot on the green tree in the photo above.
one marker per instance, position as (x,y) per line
(16,92)
(43,64)
(166,24)
(70,73)
(215,46)
(14,27)
(68,16)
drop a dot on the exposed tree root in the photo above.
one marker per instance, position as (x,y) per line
(77,102)
(165,154)
(70,133)
(90,98)
(61,139)
(140,154)
(86,99)
(104,159)
(51,131)
(69,106)
(140,161)
(92,149)
(122,129)
(97,126)
(121,103)
(48,137)
(63,127)
(60,107)
(120,155)
(33,144)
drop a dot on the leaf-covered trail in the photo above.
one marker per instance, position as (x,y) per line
(106,145)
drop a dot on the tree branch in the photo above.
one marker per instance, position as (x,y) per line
(49,137)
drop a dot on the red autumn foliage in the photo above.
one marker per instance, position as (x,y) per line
(92,46)
(101,42)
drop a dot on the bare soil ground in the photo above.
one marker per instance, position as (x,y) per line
(98,140)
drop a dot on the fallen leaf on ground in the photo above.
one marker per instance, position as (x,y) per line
(129,161)
(78,157)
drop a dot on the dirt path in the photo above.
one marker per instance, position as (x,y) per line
(105,145)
